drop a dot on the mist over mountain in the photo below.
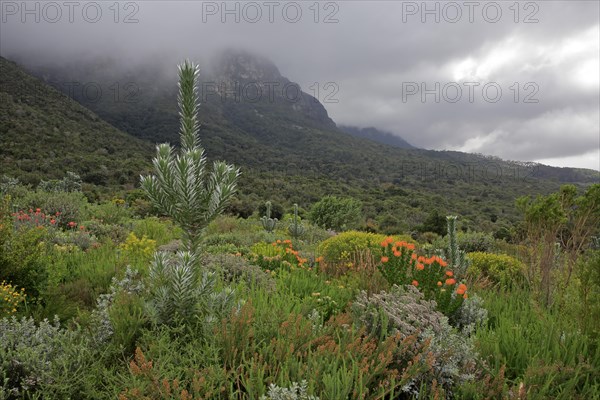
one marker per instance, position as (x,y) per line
(376,135)
(288,147)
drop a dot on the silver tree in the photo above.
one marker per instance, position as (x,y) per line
(182,188)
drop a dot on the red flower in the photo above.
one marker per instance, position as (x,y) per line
(52,221)
(415,283)
(72,224)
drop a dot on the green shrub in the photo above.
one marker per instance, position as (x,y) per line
(74,238)
(35,360)
(12,187)
(499,268)
(70,183)
(234,269)
(343,247)
(119,313)
(24,257)
(225,224)
(335,213)
(111,212)
(469,242)
(161,230)
(116,233)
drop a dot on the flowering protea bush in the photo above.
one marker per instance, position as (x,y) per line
(400,265)
(277,255)
(397,261)
(35,219)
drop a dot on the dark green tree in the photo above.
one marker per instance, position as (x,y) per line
(335,213)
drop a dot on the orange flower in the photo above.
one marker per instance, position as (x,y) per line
(462,288)
(450,282)
(421,259)
(278,241)
(413,256)
(465,296)
(410,246)
(384,243)
(319,259)
(420,267)
(415,283)
(384,259)
(439,283)
(449,273)
(397,253)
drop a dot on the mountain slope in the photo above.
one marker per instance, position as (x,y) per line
(376,135)
(44,134)
(291,151)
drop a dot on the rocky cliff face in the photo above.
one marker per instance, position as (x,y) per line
(249,79)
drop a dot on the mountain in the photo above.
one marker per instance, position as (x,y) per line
(44,134)
(290,150)
(378,136)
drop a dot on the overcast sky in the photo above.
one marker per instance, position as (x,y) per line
(515,80)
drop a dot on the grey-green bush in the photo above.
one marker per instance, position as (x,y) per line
(405,310)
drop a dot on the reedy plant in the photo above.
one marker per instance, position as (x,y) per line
(456,257)
(182,188)
(267,222)
(296,229)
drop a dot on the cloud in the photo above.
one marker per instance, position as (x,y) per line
(542,56)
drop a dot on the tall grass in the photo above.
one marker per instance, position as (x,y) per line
(543,349)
